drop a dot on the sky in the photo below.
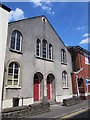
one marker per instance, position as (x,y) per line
(69,19)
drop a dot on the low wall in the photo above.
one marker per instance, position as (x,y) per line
(24,111)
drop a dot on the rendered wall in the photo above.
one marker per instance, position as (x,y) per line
(3,40)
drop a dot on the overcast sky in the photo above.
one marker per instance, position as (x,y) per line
(69,19)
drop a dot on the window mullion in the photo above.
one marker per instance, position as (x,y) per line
(13,75)
(39,48)
(66,80)
(18,75)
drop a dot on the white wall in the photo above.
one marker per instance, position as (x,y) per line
(3,39)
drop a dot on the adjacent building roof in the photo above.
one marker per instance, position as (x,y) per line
(5,7)
(75,48)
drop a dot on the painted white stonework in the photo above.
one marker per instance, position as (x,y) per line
(3,39)
(60,98)
(7,103)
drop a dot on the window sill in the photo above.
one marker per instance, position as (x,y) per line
(13,87)
(19,52)
(87,63)
(65,87)
(44,59)
(63,63)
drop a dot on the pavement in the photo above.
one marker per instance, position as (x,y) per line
(60,111)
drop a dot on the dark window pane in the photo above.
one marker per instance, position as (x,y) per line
(16,71)
(15,76)
(10,70)
(16,65)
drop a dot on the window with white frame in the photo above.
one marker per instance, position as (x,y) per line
(44,49)
(16,40)
(50,51)
(64,79)
(87,59)
(88,84)
(13,74)
(38,43)
(63,56)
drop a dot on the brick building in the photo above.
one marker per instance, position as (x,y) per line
(81,71)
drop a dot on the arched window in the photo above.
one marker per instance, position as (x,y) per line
(50,52)
(13,74)
(16,40)
(38,45)
(64,79)
(44,49)
(63,56)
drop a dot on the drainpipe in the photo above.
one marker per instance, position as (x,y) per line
(77,85)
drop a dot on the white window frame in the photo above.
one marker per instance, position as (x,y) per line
(87,59)
(13,75)
(88,84)
(50,52)
(16,41)
(63,56)
(39,47)
(64,75)
(46,49)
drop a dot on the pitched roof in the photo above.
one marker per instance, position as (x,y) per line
(48,22)
(78,48)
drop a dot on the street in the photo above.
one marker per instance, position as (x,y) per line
(59,111)
(85,114)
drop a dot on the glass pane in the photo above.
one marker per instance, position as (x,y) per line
(10,70)
(11,65)
(37,53)
(16,71)
(15,76)
(15,82)
(13,42)
(9,82)
(10,77)
(16,66)
(18,47)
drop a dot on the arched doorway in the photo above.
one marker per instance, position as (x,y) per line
(50,87)
(38,86)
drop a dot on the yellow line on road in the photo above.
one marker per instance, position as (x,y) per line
(76,112)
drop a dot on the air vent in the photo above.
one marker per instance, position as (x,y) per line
(44,20)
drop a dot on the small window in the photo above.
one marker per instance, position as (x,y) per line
(88,84)
(64,79)
(87,59)
(63,56)
(13,74)
(38,43)
(44,49)
(50,52)
(16,40)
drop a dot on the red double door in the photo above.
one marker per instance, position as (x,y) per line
(48,90)
(36,90)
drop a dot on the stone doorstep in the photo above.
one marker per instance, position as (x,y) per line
(71,101)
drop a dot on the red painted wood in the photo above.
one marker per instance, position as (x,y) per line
(36,90)
(48,90)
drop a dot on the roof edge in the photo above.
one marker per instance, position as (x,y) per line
(5,7)
(80,48)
